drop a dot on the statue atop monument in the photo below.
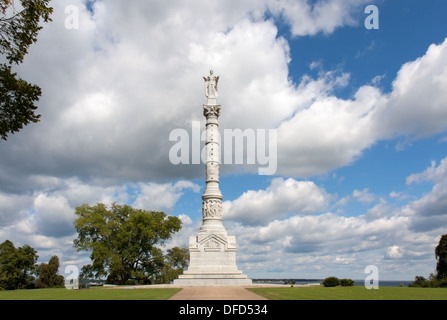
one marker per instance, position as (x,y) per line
(211,81)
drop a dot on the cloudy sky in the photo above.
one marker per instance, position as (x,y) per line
(360,116)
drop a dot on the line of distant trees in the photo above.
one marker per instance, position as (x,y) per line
(19,270)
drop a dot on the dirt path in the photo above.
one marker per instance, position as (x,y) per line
(216,293)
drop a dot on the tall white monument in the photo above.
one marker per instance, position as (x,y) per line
(212,252)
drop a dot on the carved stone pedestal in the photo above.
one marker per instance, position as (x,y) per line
(212,262)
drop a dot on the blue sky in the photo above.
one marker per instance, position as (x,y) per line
(361,118)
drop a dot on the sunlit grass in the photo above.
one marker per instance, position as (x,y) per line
(288,293)
(99,293)
(351,293)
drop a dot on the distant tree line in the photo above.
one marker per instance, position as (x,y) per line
(438,279)
(19,270)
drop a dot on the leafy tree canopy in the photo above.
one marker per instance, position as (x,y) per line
(16,266)
(124,242)
(438,279)
(176,260)
(19,27)
(47,274)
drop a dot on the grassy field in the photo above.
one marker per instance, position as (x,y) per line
(297,293)
(352,293)
(98,293)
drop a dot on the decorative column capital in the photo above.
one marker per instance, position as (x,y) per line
(211,110)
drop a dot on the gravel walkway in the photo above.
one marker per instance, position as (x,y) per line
(216,293)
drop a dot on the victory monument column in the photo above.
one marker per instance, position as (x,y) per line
(212,251)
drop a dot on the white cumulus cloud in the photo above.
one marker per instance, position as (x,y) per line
(282,198)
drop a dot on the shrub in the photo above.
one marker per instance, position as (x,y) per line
(331,282)
(346,282)
(131,282)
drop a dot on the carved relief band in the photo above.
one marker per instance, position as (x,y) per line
(212,209)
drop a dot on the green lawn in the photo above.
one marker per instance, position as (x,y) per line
(297,293)
(352,293)
(98,293)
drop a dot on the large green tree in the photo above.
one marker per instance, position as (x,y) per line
(19,27)
(124,242)
(16,266)
(441,256)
